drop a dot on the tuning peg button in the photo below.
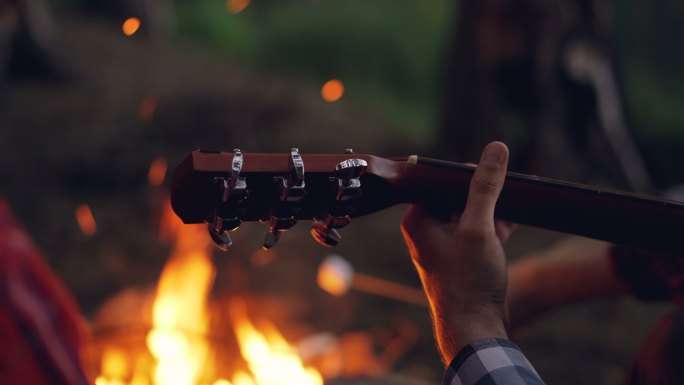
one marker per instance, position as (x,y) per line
(221,238)
(325,235)
(271,239)
(227,224)
(350,169)
(276,226)
(347,178)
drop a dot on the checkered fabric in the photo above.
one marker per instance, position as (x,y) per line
(492,361)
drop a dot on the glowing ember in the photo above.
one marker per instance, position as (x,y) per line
(130,26)
(86,220)
(157,172)
(332,90)
(237,6)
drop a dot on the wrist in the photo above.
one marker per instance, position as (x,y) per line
(457,328)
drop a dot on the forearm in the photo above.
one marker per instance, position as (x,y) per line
(572,270)
(460,318)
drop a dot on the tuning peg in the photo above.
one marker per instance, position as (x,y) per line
(271,239)
(227,224)
(219,226)
(292,188)
(221,238)
(325,235)
(233,188)
(348,175)
(276,226)
(350,169)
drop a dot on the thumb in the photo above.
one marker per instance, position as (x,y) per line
(486,185)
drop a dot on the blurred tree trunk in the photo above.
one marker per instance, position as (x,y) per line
(491,79)
(513,76)
(27,41)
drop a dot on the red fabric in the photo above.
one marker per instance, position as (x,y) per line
(41,331)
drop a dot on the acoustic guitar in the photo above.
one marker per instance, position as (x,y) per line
(225,188)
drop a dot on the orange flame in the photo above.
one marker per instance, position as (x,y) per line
(86,220)
(114,366)
(269,357)
(130,26)
(157,172)
(180,317)
(332,90)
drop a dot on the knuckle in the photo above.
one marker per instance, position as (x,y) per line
(484,183)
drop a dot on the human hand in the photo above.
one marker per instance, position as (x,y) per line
(461,262)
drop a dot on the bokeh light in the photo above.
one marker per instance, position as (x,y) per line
(130,26)
(147,107)
(332,90)
(237,6)
(157,172)
(86,220)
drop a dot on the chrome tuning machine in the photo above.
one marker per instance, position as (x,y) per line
(277,225)
(347,178)
(232,190)
(324,230)
(289,190)
(347,183)
(292,188)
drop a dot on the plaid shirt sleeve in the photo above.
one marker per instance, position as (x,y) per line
(492,361)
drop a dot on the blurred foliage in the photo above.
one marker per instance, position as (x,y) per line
(391,54)
(650,54)
(388,53)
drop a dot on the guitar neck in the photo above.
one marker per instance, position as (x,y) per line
(603,214)
(202,186)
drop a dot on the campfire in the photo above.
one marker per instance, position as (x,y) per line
(171,341)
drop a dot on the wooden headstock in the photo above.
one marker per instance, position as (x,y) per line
(226,188)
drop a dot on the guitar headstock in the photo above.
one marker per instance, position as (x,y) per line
(224,189)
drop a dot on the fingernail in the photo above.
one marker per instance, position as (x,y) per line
(494,154)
